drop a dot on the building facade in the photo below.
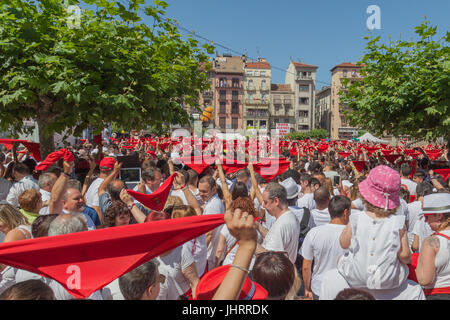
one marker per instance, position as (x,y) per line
(302,78)
(227,94)
(340,127)
(282,106)
(322,109)
(257,79)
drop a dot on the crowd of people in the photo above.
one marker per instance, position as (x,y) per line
(344,221)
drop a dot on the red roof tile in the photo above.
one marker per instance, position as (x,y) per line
(258,65)
(299,64)
(346,65)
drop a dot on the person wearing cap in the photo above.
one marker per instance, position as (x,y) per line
(92,199)
(376,238)
(433,266)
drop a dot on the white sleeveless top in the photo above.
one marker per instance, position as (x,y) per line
(442,263)
(372,261)
(23,227)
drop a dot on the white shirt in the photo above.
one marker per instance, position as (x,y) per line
(283,236)
(19,187)
(442,263)
(415,211)
(372,260)
(45,197)
(322,245)
(320,217)
(199,251)
(422,230)
(92,193)
(114,289)
(180,194)
(167,290)
(307,200)
(213,206)
(358,204)
(410,185)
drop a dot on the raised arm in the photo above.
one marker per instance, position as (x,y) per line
(88,178)
(255,183)
(226,193)
(109,178)
(57,193)
(135,211)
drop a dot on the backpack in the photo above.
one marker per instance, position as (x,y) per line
(304,226)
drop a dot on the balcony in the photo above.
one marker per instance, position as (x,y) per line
(257,102)
(222,111)
(257,114)
(235,98)
(287,101)
(222,97)
(208,95)
(228,84)
(303,77)
(276,101)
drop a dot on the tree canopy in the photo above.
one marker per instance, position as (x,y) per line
(111,68)
(405,88)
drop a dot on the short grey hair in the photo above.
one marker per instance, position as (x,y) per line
(74,183)
(134,283)
(276,190)
(68,223)
(45,179)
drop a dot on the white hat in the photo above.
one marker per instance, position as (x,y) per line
(436,203)
(291,187)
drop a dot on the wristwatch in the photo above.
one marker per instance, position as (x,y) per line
(130,206)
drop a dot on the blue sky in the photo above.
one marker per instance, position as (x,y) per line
(322,32)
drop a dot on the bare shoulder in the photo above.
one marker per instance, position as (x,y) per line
(433,241)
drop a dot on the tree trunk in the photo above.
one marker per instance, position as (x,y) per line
(45,139)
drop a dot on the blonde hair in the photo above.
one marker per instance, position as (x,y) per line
(173,201)
(292,294)
(11,217)
(379,212)
(183,211)
(446,221)
(29,199)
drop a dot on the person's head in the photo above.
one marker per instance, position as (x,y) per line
(117,215)
(436,210)
(47,180)
(20,170)
(404,194)
(294,174)
(405,170)
(321,177)
(354,294)
(106,166)
(419,176)
(329,165)
(275,272)
(30,200)
(243,176)
(239,190)
(340,207)
(183,211)
(152,177)
(73,200)
(305,181)
(245,204)
(423,189)
(114,189)
(380,191)
(172,201)
(274,198)
(10,217)
(207,188)
(28,290)
(193,178)
(39,227)
(67,223)
(142,283)
(322,198)
(292,190)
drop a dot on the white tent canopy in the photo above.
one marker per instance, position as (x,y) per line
(367,137)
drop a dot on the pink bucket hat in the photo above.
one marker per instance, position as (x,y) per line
(381,188)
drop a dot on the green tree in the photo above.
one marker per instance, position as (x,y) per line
(111,68)
(313,134)
(405,89)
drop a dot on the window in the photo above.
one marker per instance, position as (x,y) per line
(250,73)
(303,113)
(222,122)
(309,73)
(234,123)
(235,108)
(256,73)
(222,94)
(223,82)
(250,97)
(235,82)
(263,85)
(250,85)
(249,123)
(303,88)
(344,73)
(263,124)
(263,98)
(223,107)
(303,127)
(235,95)
(263,73)
(303,100)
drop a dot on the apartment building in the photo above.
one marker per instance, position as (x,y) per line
(340,127)
(227,94)
(282,106)
(302,79)
(257,80)
(322,109)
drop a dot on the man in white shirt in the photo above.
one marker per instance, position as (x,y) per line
(306,199)
(212,205)
(285,232)
(24,182)
(152,179)
(92,200)
(46,182)
(322,246)
(320,214)
(405,171)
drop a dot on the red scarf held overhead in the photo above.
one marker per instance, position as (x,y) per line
(359,165)
(344,154)
(270,169)
(198,163)
(157,199)
(392,157)
(444,173)
(53,157)
(101,256)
